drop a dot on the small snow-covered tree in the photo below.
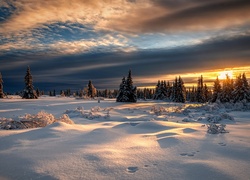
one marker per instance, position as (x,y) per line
(216,90)
(38,93)
(28,92)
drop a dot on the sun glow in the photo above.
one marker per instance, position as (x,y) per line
(190,79)
(224,74)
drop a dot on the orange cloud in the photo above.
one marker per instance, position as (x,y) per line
(199,16)
(128,16)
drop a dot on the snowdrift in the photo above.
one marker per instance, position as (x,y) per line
(84,139)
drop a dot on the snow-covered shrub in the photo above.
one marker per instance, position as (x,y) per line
(179,109)
(65,118)
(238,106)
(241,106)
(91,115)
(158,110)
(8,123)
(78,112)
(211,107)
(213,128)
(95,109)
(214,119)
(218,118)
(226,116)
(41,119)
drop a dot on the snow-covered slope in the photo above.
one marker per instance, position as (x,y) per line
(109,140)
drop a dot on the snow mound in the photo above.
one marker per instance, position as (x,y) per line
(41,119)
(142,127)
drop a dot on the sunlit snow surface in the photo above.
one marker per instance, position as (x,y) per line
(109,140)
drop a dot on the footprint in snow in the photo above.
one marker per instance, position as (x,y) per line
(222,144)
(132,169)
(189,154)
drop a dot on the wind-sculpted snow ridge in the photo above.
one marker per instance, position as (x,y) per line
(41,119)
(143,140)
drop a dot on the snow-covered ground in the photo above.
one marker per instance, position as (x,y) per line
(110,140)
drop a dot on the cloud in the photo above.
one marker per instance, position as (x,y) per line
(63,47)
(107,68)
(128,16)
(194,16)
(30,14)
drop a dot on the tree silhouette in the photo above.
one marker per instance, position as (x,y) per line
(127,92)
(28,92)
(1,86)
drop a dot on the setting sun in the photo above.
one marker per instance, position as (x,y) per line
(224,74)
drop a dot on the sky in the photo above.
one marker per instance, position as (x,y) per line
(67,43)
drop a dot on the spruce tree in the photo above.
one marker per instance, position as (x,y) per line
(91,91)
(131,90)
(121,97)
(246,88)
(216,90)
(200,96)
(127,92)
(38,92)
(241,90)
(174,90)
(1,86)
(181,91)
(28,92)
(227,90)
(159,90)
(168,90)
(206,93)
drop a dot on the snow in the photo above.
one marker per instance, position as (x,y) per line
(111,140)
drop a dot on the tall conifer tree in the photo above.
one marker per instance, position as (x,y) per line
(216,90)
(91,91)
(127,92)
(227,90)
(29,92)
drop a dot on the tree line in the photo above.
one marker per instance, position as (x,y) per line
(226,90)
